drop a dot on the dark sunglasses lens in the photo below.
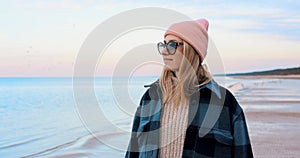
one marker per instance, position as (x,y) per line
(160,47)
(171,46)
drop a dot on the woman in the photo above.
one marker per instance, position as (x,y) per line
(186,113)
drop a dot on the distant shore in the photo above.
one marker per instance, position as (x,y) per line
(266,76)
(289,73)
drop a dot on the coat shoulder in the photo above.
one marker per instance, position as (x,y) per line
(230,101)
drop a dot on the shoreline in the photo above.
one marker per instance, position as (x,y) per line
(272,111)
(272,133)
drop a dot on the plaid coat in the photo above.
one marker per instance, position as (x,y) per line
(216,125)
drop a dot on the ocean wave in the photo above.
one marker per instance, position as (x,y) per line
(53,149)
(236,86)
(90,145)
(19,143)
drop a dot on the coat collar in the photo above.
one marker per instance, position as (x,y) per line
(211,85)
(214,87)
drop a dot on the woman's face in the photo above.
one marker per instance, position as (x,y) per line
(173,61)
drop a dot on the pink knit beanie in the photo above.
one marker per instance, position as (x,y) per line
(192,32)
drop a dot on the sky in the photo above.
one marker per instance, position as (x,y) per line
(43,38)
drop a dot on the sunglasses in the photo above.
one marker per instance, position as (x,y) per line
(170,46)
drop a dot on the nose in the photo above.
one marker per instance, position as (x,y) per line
(164,51)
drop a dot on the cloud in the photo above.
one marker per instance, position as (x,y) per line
(290,20)
(50,5)
(255,29)
(276,18)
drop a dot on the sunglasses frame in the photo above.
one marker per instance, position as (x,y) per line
(165,45)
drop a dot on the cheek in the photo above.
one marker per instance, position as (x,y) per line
(178,58)
(178,62)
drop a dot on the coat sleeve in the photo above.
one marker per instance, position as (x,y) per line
(241,141)
(133,147)
(132,150)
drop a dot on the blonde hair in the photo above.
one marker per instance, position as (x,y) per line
(191,75)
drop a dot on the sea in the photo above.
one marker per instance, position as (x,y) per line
(44,117)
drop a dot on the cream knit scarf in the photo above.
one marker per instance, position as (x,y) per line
(174,122)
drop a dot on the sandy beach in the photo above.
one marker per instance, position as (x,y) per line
(272,108)
(274,134)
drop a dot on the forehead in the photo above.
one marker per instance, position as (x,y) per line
(172,38)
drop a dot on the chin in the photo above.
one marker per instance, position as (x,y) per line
(169,67)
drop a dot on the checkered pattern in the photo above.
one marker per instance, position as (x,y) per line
(216,125)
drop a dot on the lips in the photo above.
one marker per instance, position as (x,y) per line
(167,60)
